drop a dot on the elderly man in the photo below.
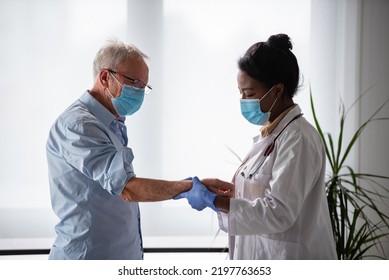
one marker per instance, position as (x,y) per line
(94,190)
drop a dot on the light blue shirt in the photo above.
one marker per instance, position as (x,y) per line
(89,165)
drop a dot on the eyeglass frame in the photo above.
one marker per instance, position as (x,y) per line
(141,84)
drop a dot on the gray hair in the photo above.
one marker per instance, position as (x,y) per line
(113,53)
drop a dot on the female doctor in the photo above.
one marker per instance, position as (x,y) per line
(279,209)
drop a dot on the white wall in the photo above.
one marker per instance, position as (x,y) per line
(186,123)
(193,113)
(46,53)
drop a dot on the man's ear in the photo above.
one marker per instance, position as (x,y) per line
(103,77)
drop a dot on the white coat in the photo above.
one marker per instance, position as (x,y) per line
(282,212)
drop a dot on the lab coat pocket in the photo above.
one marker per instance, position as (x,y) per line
(258,185)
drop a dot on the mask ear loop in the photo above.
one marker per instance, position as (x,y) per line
(113,76)
(273,105)
(110,93)
(267,93)
(265,96)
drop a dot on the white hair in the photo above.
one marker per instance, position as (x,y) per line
(113,53)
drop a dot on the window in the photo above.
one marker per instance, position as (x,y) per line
(187,126)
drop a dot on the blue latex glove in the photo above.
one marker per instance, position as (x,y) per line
(199,196)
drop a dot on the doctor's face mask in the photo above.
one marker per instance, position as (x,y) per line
(251,110)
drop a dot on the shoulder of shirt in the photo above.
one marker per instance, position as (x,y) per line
(76,114)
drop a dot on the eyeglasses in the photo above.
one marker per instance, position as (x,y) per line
(134,82)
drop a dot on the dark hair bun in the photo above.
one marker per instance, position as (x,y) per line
(280,41)
(272,62)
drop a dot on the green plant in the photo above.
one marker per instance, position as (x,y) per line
(358,221)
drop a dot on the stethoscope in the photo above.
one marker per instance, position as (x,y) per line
(269,149)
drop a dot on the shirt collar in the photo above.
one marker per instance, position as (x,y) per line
(97,109)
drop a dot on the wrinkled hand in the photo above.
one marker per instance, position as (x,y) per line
(219,187)
(199,196)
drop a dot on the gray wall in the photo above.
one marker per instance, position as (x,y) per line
(349,47)
(373,148)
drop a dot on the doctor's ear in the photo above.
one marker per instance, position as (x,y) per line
(278,90)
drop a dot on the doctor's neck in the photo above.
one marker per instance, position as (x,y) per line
(283,104)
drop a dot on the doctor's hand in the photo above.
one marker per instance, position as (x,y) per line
(219,187)
(199,196)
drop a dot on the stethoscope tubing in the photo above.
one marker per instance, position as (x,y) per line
(269,149)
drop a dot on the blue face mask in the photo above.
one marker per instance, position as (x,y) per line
(251,110)
(129,101)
